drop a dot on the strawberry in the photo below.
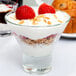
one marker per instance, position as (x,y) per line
(25,12)
(45,8)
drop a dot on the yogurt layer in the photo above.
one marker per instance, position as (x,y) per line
(47,19)
(60,19)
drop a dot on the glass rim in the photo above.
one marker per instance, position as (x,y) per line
(37,25)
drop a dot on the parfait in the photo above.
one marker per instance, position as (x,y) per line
(36,30)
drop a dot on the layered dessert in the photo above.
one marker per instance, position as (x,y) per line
(6,7)
(37,30)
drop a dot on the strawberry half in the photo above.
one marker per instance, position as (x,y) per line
(45,8)
(25,12)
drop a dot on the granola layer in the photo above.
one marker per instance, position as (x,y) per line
(45,41)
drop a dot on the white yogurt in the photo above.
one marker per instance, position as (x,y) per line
(57,18)
(41,31)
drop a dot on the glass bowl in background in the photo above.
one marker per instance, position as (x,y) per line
(5,7)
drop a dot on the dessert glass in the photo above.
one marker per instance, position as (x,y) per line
(12,6)
(37,53)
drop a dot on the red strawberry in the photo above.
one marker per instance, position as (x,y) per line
(25,12)
(45,8)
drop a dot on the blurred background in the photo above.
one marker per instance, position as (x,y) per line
(33,2)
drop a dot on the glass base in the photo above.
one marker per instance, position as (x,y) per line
(36,70)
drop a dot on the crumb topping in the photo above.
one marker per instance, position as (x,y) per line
(21,22)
